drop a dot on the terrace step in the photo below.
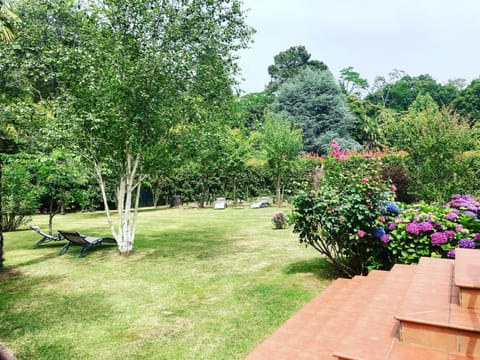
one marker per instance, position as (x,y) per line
(430,315)
(372,335)
(315,330)
(467,277)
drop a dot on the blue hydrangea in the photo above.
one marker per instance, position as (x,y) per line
(393,208)
(378,232)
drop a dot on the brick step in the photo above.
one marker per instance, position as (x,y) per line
(316,330)
(372,334)
(431,316)
(404,351)
(467,277)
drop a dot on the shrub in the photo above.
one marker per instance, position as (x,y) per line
(429,230)
(339,216)
(280,220)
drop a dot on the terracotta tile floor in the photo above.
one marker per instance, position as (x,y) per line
(356,319)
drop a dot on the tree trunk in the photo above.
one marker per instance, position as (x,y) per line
(51,214)
(235,202)
(204,191)
(129,182)
(279,192)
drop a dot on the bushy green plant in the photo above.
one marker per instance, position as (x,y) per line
(435,140)
(340,213)
(432,230)
(19,194)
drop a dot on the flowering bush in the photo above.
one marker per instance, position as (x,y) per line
(280,220)
(435,231)
(342,212)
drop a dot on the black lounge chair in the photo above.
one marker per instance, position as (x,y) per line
(45,237)
(86,242)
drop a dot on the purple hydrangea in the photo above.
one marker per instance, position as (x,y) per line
(425,226)
(451,253)
(385,238)
(466,243)
(470,213)
(476,237)
(413,228)
(438,238)
(452,215)
(391,226)
(450,234)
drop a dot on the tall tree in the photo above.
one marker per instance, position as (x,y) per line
(280,146)
(351,82)
(287,64)
(8,19)
(140,66)
(467,103)
(314,101)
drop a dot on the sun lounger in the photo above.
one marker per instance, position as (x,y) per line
(86,242)
(45,237)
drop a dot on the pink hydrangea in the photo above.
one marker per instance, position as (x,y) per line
(438,238)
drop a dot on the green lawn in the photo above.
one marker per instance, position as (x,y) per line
(201,284)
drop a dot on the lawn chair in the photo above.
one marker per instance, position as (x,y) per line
(86,242)
(264,201)
(45,237)
(220,203)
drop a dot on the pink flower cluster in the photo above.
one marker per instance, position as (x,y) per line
(416,227)
(337,152)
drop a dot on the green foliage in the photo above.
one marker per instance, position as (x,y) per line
(401,90)
(337,214)
(314,101)
(287,65)
(467,104)
(351,82)
(19,194)
(280,146)
(395,170)
(435,141)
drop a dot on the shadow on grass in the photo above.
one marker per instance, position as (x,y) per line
(319,267)
(33,305)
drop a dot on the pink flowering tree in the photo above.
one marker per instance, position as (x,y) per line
(345,216)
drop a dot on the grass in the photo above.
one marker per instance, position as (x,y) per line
(201,284)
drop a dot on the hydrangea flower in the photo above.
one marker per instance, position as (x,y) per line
(452,215)
(425,226)
(476,237)
(385,238)
(470,213)
(393,208)
(451,253)
(466,243)
(450,234)
(378,232)
(413,228)
(391,226)
(438,238)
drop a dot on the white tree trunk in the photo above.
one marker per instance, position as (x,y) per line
(126,222)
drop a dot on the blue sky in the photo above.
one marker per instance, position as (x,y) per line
(439,37)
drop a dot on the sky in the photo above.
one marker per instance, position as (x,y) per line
(438,37)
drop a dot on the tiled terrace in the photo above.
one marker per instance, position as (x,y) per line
(429,311)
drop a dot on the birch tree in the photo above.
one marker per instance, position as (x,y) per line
(138,62)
